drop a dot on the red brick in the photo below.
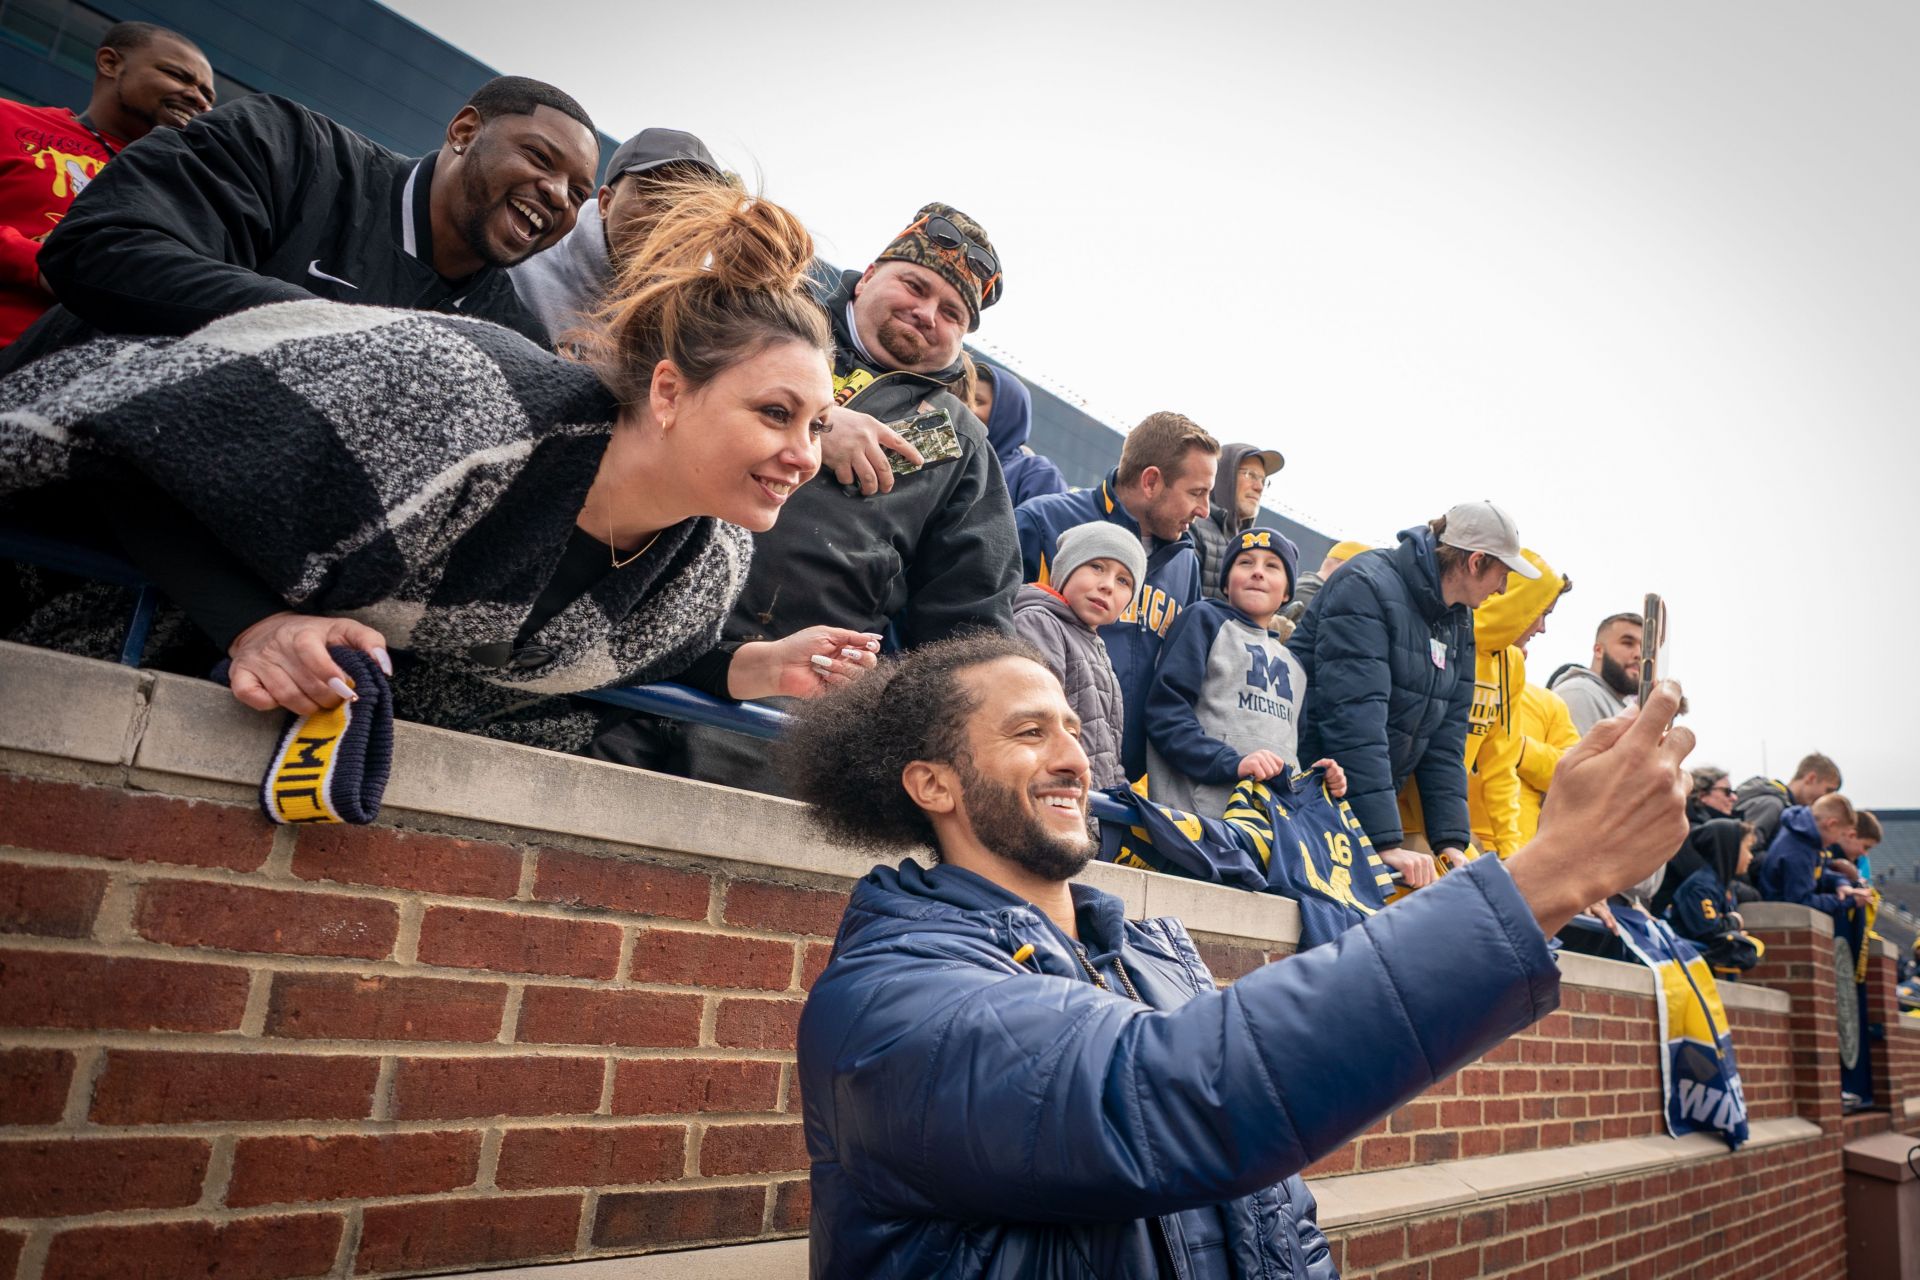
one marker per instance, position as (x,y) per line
(1431,1237)
(33,1086)
(711,960)
(53,902)
(758,1024)
(87,992)
(792,1205)
(752,1148)
(674,1086)
(651,1218)
(621,884)
(300,1167)
(451,1088)
(347,1006)
(512,942)
(783,908)
(407,860)
(60,1177)
(591,1156)
(1229,962)
(814,963)
(1374,1247)
(152,1087)
(579,1015)
(456,1233)
(107,822)
(184,913)
(280,1248)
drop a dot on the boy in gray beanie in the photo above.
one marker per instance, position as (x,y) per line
(1097,568)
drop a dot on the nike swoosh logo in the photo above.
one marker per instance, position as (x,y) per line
(313,269)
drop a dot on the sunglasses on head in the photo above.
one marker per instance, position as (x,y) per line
(983,265)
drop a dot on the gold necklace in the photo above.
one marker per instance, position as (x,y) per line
(613,553)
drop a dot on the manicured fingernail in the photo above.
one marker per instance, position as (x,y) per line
(345,691)
(386,663)
(850,653)
(873,646)
(822,661)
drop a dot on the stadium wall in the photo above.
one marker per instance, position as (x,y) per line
(544,1012)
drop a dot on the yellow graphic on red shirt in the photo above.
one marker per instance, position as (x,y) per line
(71,172)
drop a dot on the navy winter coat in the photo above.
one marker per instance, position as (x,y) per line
(1378,700)
(1794,870)
(1133,641)
(968,1115)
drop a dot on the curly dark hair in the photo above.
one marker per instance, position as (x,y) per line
(844,752)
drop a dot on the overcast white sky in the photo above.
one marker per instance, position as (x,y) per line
(1643,273)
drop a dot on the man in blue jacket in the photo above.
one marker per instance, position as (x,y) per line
(1388,650)
(1004,1077)
(1162,485)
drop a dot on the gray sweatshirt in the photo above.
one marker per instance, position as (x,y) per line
(1589,699)
(562,284)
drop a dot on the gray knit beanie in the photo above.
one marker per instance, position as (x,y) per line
(1097,540)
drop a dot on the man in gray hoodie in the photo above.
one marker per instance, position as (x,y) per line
(1596,692)
(1238,483)
(564,284)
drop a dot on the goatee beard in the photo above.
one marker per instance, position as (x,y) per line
(1007,827)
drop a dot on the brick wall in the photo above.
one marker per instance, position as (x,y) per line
(1799,961)
(551,1014)
(1588,1072)
(1766,1215)
(381,1051)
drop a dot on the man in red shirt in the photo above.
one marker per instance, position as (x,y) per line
(144,77)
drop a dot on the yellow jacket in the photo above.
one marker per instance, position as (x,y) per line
(1493,744)
(1546,731)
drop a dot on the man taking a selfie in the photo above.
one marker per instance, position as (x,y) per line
(1003,1076)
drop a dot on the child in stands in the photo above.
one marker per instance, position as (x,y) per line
(1225,699)
(1702,910)
(1096,570)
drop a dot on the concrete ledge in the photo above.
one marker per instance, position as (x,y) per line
(1354,1200)
(1785,915)
(769,1260)
(60,705)
(170,727)
(1371,1198)
(1578,970)
(1741,995)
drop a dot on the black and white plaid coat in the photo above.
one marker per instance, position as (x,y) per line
(419,472)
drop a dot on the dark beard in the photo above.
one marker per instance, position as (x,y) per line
(1617,679)
(1005,826)
(902,343)
(473,229)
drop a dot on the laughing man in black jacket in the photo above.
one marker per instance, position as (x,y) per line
(932,552)
(265,201)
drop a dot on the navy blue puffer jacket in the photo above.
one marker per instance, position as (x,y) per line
(1378,699)
(968,1115)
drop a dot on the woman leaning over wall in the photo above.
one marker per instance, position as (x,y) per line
(501,525)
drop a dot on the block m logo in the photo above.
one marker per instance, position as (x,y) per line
(1268,673)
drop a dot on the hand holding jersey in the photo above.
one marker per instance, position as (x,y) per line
(1615,813)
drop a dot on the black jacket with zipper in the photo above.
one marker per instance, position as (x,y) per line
(936,556)
(257,201)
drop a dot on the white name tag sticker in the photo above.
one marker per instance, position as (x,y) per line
(1439,652)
